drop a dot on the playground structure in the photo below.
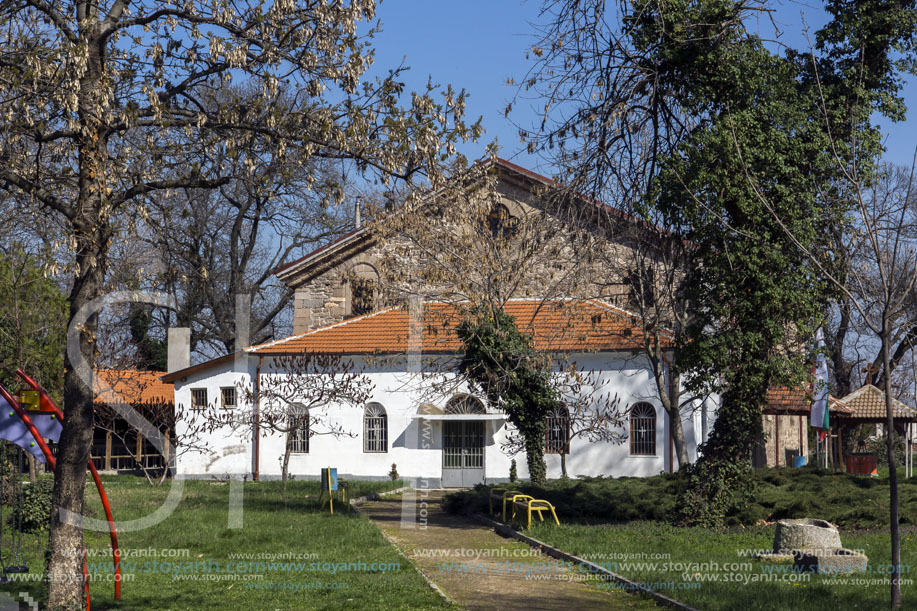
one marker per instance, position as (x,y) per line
(27,422)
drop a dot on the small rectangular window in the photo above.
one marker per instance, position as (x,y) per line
(198,398)
(228,394)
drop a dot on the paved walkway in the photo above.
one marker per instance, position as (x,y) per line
(478,568)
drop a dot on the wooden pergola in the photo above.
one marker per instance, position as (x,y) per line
(118,446)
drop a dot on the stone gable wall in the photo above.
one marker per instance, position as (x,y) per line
(325,298)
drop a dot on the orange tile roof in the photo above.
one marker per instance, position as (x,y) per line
(137,387)
(785,400)
(869,402)
(557,325)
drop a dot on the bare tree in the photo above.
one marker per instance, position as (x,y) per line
(105,102)
(851,346)
(228,241)
(878,286)
(293,395)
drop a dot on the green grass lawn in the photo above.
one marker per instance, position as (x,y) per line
(684,562)
(334,568)
(623,522)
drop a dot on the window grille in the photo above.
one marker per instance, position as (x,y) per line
(228,394)
(375,428)
(557,432)
(298,421)
(464,404)
(198,398)
(643,430)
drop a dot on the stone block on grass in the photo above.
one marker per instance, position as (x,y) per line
(832,562)
(805,534)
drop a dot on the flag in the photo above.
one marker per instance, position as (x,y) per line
(819,415)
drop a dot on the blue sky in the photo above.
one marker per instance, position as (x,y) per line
(478,44)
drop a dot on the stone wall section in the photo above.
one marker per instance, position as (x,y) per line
(782,441)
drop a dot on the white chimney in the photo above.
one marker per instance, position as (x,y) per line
(243,318)
(179,348)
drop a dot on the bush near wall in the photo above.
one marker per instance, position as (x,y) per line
(849,501)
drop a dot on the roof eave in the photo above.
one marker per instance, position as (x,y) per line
(174,376)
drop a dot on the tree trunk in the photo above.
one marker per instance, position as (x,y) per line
(285,468)
(33,470)
(673,407)
(892,473)
(66,539)
(678,437)
(563,465)
(91,233)
(534,455)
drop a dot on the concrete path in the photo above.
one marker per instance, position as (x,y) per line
(478,568)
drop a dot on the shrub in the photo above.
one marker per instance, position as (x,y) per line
(36,506)
(849,501)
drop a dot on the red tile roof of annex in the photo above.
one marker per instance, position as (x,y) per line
(557,325)
(783,400)
(135,387)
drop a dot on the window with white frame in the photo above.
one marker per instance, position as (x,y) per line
(557,432)
(228,396)
(198,398)
(643,430)
(375,428)
(298,426)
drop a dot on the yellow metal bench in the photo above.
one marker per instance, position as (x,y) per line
(496,494)
(511,497)
(530,504)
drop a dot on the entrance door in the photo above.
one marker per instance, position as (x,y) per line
(463,453)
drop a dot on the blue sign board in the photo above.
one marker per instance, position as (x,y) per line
(332,474)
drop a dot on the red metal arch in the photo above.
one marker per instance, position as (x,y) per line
(48,404)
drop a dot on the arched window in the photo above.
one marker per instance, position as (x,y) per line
(643,430)
(298,426)
(642,288)
(502,223)
(363,282)
(557,432)
(464,404)
(375,428)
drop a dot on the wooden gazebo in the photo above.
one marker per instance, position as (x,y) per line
(866,405)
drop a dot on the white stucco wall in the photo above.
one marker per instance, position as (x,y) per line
(415,445)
